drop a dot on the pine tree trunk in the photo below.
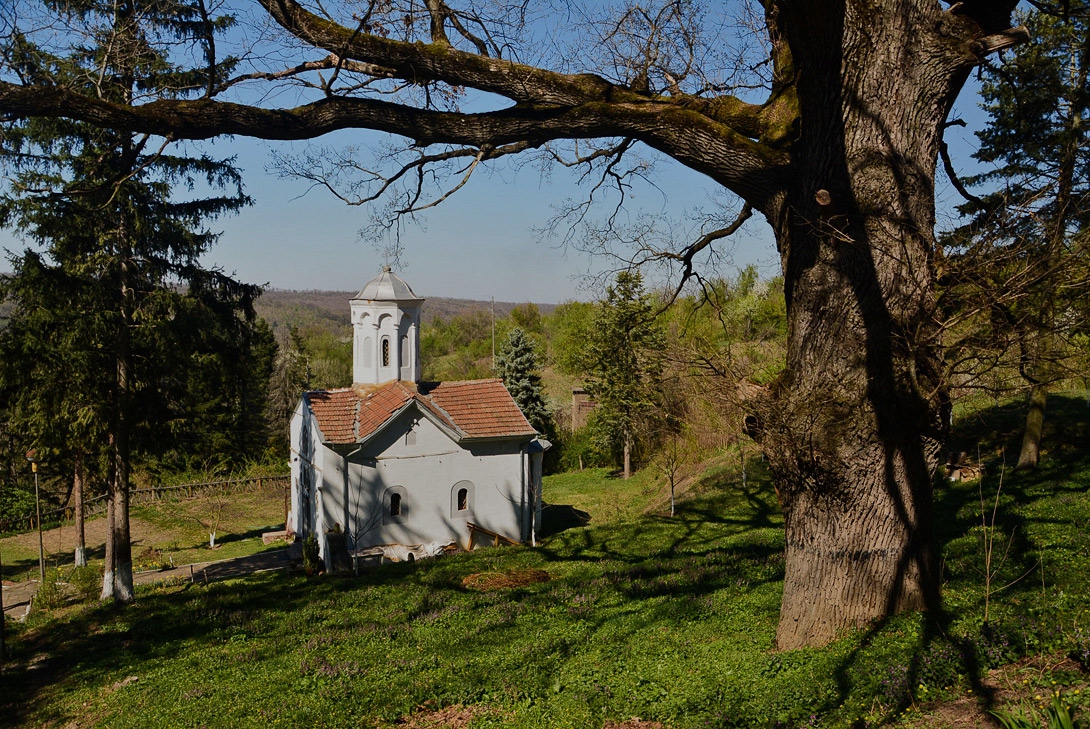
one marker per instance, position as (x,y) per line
(1035,423)
(855,426)
(627,455)
(77,490)
(120,455)
(108,567)
(123,585)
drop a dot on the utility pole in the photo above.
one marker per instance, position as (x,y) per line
(493,333)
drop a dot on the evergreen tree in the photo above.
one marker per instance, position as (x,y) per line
(121,252)
(518,366)
(290,377)
(625,363)
(1023,251)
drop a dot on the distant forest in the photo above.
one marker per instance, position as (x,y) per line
(284,308)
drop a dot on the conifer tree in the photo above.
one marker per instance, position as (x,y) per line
(518,366)
(1024,250)
(625,363)
(121,251)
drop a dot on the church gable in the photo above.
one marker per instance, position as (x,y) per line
(469,410)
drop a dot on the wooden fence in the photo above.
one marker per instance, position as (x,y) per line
(98,504)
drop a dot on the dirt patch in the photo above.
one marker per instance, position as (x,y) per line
(491,581)
(450,717)
(1009,687)
(60,542)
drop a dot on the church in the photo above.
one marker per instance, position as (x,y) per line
(393,460)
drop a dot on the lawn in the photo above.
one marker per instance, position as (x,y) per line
(163,532)
(622,612)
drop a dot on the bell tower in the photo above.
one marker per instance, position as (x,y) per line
(385,331)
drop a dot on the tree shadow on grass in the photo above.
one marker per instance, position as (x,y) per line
(962,511)
(556,518)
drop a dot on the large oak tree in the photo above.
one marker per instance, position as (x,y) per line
(839,158)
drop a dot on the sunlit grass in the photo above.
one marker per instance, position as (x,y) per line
(668,619)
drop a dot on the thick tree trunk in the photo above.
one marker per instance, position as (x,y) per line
(1035,423)
(855,426)
(108,567)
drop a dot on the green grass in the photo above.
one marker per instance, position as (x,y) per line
(169,532)
(668,619)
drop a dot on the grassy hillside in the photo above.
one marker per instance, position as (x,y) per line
(165,532)
(623,612)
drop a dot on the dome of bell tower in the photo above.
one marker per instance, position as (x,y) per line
(386,331)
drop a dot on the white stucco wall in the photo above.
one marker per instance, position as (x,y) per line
(374,321)
(306,458)
(356,486)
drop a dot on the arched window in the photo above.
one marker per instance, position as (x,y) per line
(461,500)
(385,352)
(395,505)
(367,351)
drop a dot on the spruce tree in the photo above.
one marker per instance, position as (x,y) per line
(120,262)
(625,363)
(1023,254)
(518,366)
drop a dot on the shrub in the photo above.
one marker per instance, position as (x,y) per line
(1080,652)
(85,581)
(49,594)
(312,561)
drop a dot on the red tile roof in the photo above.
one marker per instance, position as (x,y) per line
(473,409)
(335,411)
(480,408)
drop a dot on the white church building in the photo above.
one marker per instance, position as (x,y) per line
(392,460)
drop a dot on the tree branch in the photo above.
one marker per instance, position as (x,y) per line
(728,157)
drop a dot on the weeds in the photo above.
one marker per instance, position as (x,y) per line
(49,596)
(1057,715)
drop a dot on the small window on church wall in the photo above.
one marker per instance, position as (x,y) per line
(410,438)
(395,507)
(404,350)
(385,352)
(461,500)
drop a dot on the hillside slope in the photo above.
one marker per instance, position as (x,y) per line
(284,308)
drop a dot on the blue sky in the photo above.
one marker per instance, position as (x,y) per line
(480,243)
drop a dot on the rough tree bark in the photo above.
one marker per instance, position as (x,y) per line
(840,160)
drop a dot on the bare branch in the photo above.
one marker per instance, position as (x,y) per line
(686,256)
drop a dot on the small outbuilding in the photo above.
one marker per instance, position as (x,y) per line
(392,460)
